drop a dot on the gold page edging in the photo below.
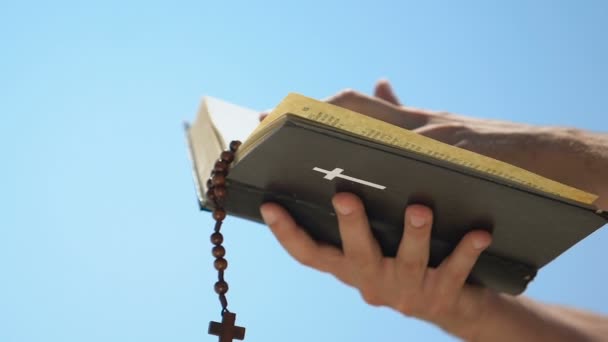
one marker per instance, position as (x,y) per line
(383,132)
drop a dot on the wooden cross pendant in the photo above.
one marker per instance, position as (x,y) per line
(226,330)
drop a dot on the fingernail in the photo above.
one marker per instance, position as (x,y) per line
(480,243)
(417,220)
(268,216)
(343,210)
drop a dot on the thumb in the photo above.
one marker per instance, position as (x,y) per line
(384,91)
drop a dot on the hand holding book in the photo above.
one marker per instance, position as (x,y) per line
(570,156)
(440,295)
(404,283)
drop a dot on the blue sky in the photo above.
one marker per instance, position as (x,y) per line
(100,236)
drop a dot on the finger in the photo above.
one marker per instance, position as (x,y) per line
(300,245)
(358,243)
(379,109)
(449,133)
(384,90)
(454,270)
(413,254)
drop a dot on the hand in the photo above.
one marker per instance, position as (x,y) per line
(570,156)
(439,295)
(493,138)
(404,283)
(496,139)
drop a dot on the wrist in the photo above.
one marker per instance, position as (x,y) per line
(469,320)
(475,328)
(581,158)
(497,318)
(517,318)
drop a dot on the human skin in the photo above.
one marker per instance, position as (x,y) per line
(439,295)
(568,155)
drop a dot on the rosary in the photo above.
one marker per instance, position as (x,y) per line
(216,193)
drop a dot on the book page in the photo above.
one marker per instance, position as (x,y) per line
(217,123)
(402,138)
(232,122)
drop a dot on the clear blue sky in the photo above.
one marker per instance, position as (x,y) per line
(100,236)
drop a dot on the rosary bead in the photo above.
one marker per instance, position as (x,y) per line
(220,264)
(234,145)
(220,192)
(221,287)
(218,251)
(214,173)
(227,156)
(209,183)
(220,166)
(217,238)
(219,214)
(211,195)
(219,180)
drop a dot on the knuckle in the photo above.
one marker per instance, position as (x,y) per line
(367,284)
(370,295)
(346,95)
(437,308)
(306,259)
(406,306)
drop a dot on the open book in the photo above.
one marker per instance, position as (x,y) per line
(306,150)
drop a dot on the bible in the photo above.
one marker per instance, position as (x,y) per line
(306,150)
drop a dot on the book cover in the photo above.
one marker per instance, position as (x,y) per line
(301,163)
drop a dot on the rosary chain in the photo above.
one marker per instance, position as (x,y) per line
(216,194)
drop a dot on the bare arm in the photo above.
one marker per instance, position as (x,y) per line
(578,158)
(440,295)
(571,156)
(509,318)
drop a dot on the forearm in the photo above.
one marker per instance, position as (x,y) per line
(509,318)
(569,156)
(578,158)
(574,157)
